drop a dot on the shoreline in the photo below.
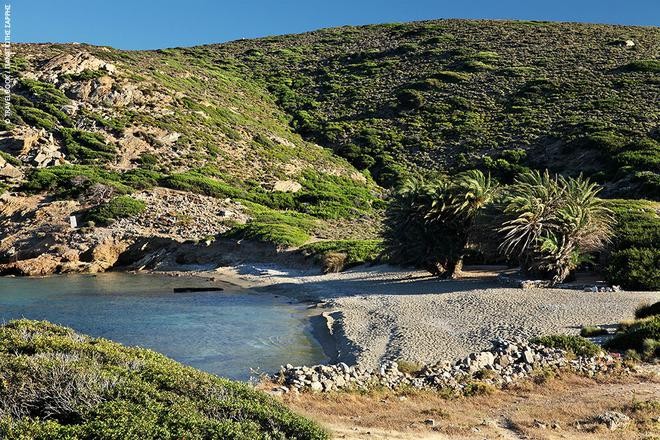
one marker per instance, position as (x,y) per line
(367,315)
(371,314)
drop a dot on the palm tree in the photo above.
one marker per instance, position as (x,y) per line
(429,225)
(555,221)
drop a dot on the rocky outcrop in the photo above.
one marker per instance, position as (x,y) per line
(8,170)
(44,264)
(72,64)
(36,147)
(506,362)
(287,186)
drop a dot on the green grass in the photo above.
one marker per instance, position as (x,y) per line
(60,385)
(574,344)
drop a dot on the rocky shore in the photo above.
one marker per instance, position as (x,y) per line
(506,362)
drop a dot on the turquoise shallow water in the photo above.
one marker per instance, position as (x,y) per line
(226,333)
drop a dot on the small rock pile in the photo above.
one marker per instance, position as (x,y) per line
(506,362)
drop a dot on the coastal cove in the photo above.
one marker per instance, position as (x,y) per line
(234,333)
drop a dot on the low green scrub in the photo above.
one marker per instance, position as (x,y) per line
(652,66)
(42,92)
(37,117)
(643,336)
(10,159)
(356,251)
(591,331)
(331,197)
(574,344)
(276,227)
(86,147)
(57,384)
(647,310)
(635,268)
(66,181)
(633,260)
(410,99)
(197,182)
(116,208)
(451,77)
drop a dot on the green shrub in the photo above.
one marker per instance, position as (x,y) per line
(475,66)
(57,384)
(575,344)
(271,226)
(410,99)
(633,260)
(116,208)
(328,196)
(42,92)
(647,310)
(451,77)
(637,336)
(195,181)
(591,331)
(635,268)
(71,180)
(86,147)
(275,233)
(356,251)
(10,159)
(652,66)
(37,117)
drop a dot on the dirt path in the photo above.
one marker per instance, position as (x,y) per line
(555,409)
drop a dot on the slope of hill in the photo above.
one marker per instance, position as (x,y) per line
(453,94)
(228,140)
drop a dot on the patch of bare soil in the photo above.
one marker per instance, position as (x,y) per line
(556,408)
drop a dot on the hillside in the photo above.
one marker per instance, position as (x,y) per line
(297,138)
(453,94)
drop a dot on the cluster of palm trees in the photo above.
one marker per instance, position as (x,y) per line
(548,223)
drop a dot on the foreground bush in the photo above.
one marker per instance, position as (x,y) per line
(642,336)
(646,310)
(56,384)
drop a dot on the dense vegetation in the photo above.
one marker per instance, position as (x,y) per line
(336,255)
(577,345)
(633,259)
(638,339)
(453,94)
(381,104)
(548,224)
(57,384)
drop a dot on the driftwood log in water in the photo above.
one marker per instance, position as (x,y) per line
(198,289)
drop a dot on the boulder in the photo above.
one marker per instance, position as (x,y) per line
(613,420)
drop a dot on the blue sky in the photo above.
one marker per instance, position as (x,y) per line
(148,24)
